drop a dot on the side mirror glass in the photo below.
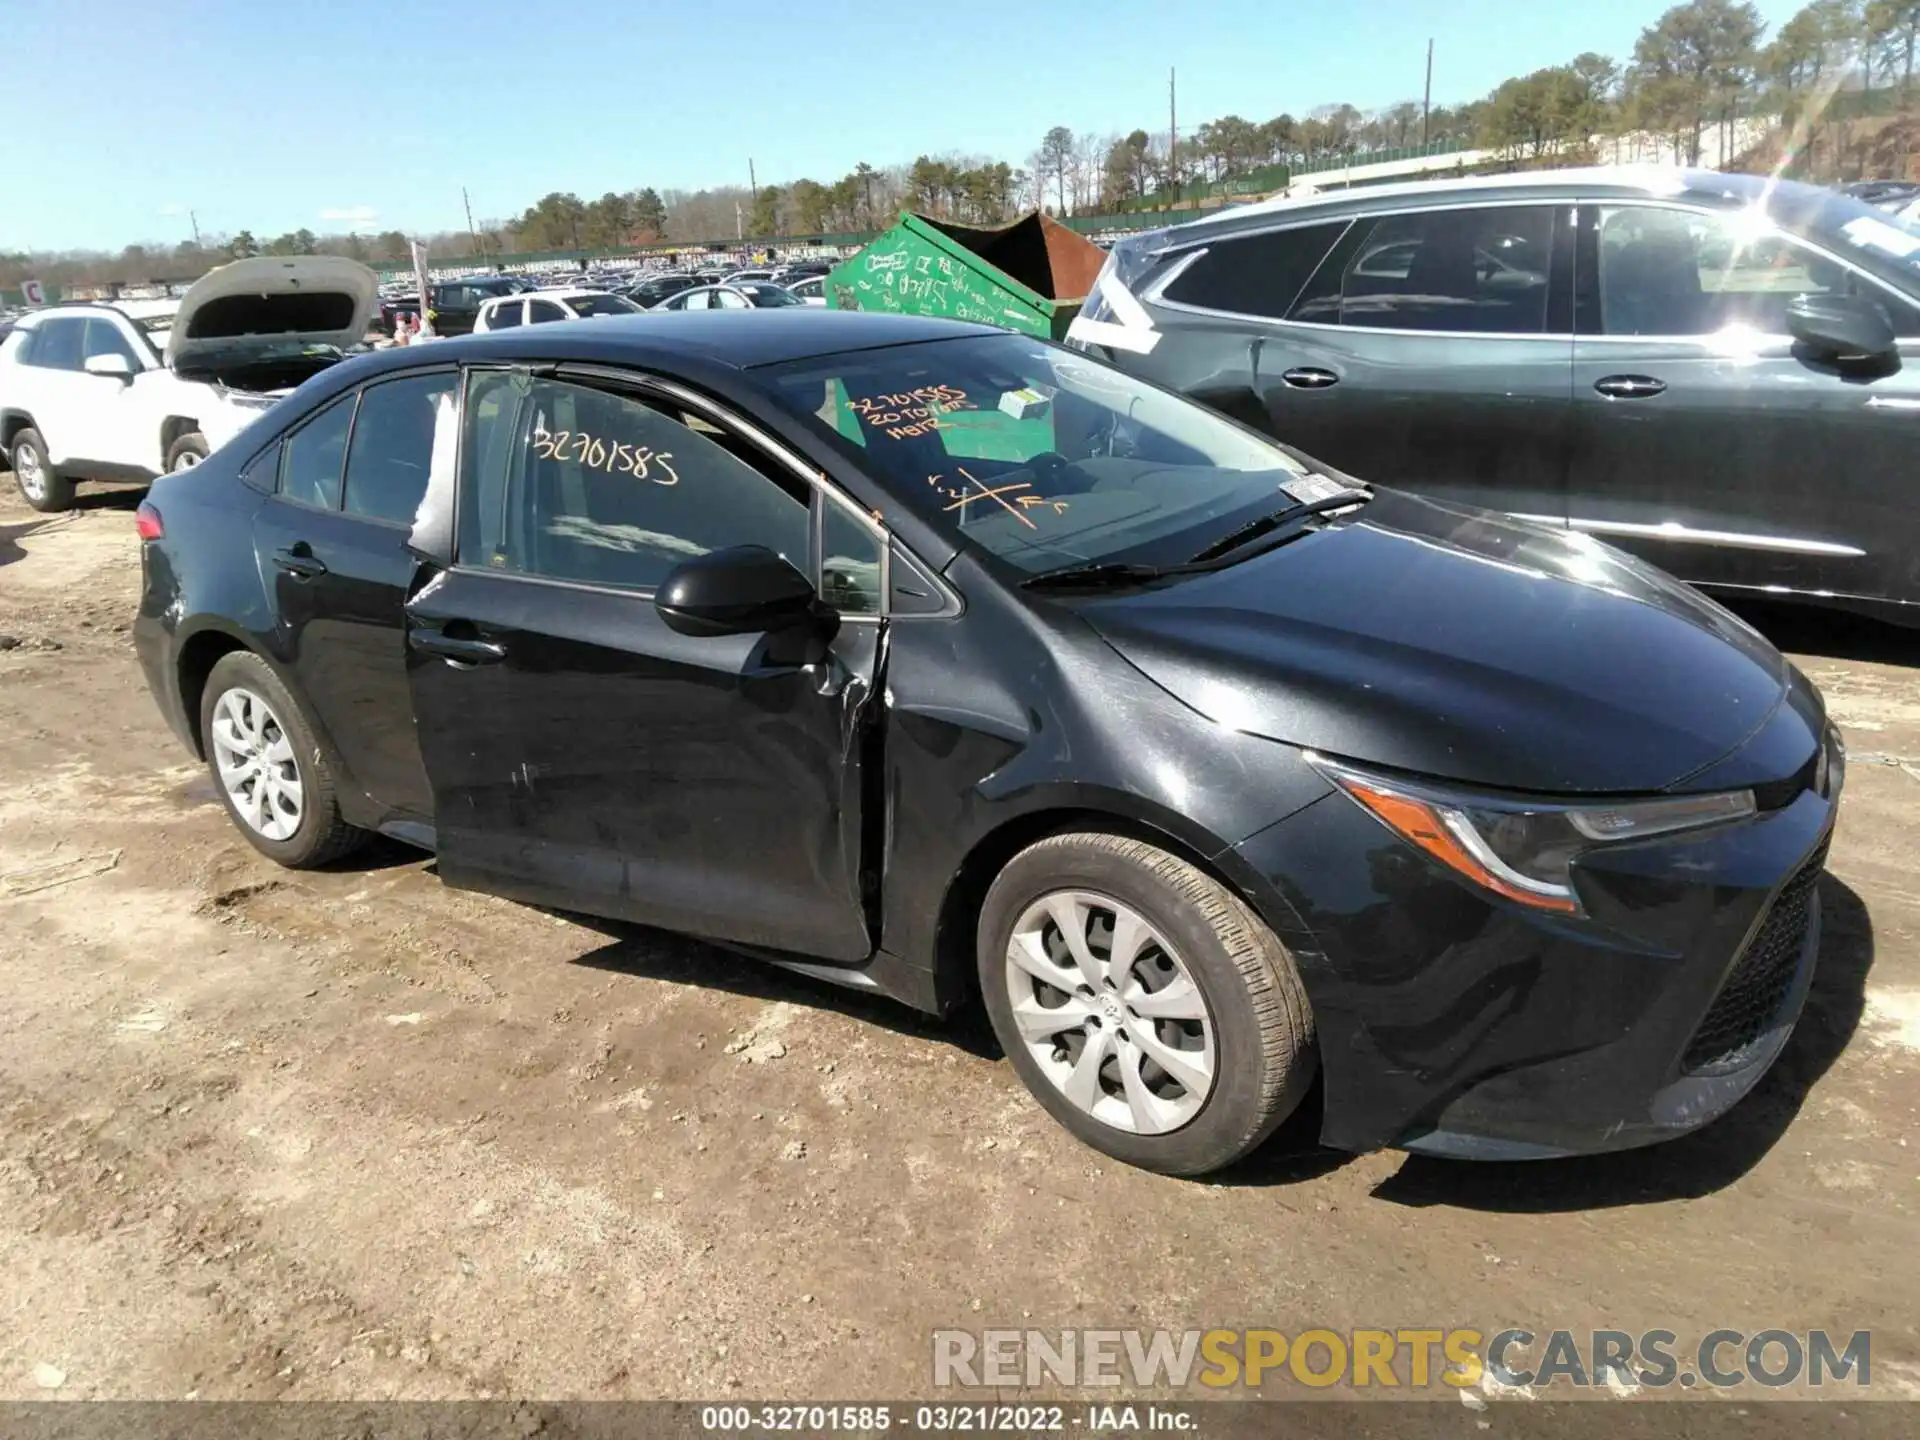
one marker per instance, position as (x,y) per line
(1841,327)
(743,590)
(117,367)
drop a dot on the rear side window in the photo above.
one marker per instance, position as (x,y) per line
(505,315)
(572,483)
(542,312)
(392,447)
(57,344)
(310,458)
(1255,274)
(1468,271)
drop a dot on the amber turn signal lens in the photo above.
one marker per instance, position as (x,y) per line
(1421,825)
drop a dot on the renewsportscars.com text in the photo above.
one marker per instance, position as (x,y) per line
(1409,1358)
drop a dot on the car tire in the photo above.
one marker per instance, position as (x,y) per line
(186,452)
(40,485)
(1235,1072)
(250,726)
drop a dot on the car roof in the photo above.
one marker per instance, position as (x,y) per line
(1664,182)
(740,339)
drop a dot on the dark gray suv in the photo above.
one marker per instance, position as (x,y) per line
(1720,373)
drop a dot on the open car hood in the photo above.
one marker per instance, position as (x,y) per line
(275,302)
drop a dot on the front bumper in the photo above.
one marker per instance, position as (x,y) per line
(1456,1023)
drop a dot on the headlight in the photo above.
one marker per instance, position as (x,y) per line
(1521,849)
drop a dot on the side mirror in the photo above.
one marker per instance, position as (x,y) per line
(1841,327)
(117,367)
(742,590)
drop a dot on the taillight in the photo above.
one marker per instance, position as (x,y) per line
(147,521)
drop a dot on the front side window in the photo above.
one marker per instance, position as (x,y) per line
(505,315)
(1469,271)
(573,483)
(104,338)
(392,447)
(311,457)
(1666,271)
(1035,455)
(1255,274)
(696,300)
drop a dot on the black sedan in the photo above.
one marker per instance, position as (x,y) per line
(941,662)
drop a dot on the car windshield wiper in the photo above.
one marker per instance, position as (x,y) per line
(1092,577)
(1214,557)
(1254,529)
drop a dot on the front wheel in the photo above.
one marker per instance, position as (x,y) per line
(269,769)
(1144,1004)
(40,486)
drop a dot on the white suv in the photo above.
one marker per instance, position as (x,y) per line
(543,306)
(108,392)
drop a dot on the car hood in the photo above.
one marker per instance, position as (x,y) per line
(276,301)
(1462,645)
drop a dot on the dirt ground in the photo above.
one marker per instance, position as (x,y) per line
(353,1135)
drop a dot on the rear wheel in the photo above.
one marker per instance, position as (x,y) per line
(1144,1005)
(268,767)
(34,474)
(186,452)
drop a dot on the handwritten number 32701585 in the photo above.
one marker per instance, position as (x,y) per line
(615,457)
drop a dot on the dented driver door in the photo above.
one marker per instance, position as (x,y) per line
(585,756)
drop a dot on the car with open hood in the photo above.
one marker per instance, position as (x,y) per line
(101,391)
(949,665)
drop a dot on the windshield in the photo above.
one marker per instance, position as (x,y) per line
(602,305)
(156,324)
(1038,456)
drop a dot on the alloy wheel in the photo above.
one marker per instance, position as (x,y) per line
(1110,1012)
(186,460)
(31,474)
(257,765)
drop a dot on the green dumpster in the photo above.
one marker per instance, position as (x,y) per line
(1029,276)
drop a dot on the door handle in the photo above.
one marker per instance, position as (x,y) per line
(299,561)
(1629,387)
(462,650)
(1310,377)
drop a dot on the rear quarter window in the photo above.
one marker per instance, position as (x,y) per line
(1255,274)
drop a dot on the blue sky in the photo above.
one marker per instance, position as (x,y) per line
(270,115)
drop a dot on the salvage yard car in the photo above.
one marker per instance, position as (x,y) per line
(86,395)
(938,661)
(544,307)
(1720,373)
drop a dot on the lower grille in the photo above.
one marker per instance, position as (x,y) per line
(1750,1001)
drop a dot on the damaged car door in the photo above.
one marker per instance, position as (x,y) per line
(583,753)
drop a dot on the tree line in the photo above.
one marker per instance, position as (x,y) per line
(1701,64)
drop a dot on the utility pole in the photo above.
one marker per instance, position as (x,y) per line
(1173,139)
(194,221)
(475,234)
(1426,103)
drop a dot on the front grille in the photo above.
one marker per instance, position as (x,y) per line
(1750,1001)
